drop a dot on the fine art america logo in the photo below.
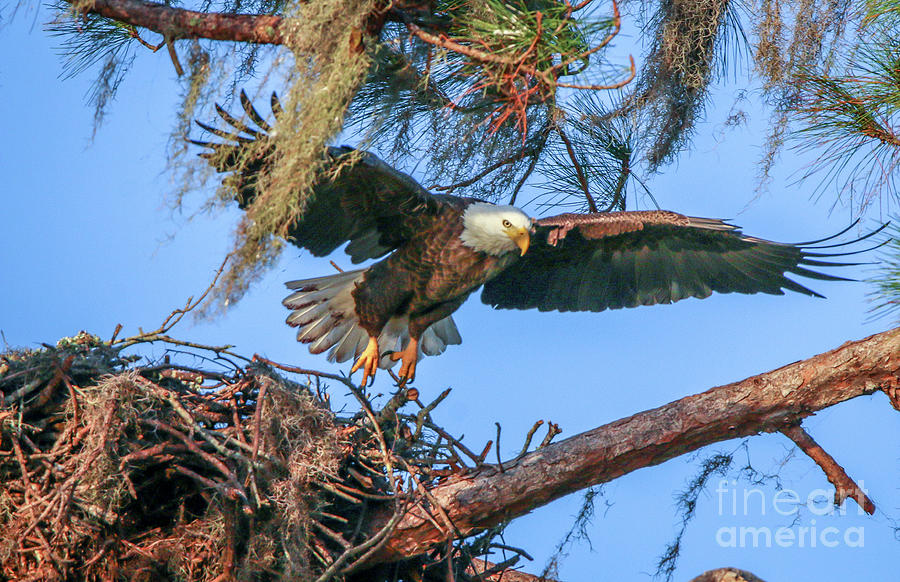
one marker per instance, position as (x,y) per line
(734,502)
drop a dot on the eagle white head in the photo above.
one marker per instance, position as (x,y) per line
(495,230)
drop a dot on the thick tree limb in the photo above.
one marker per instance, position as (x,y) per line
(175,23)
(765,403)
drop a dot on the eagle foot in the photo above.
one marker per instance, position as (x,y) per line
(409,357)
(368,361)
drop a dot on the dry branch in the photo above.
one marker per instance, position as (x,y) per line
(844,486)
(765,403)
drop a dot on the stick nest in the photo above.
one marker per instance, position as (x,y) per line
(117,469)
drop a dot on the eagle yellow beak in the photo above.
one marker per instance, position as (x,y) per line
(521,237)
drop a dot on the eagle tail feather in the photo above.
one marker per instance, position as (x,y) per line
(439,335)
(331,337)
(348,345)
(324,311)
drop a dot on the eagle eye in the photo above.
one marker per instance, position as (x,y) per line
(506,223)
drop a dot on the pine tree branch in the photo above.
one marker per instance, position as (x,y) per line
(175,23)
(582,178)
(769,402)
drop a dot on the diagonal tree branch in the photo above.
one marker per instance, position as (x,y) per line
(844,486)
(175,23)
(768,402)
(582,178)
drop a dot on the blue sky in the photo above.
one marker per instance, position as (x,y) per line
(88,241)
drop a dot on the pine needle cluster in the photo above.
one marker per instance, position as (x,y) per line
(851,119)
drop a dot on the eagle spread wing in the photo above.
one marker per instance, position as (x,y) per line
(368,203)
(446,247)
(592,262)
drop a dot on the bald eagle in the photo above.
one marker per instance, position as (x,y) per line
(435,250)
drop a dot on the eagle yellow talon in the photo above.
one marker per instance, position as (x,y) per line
(409,357)
(368,361)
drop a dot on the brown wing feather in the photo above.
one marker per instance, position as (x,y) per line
(592,262)
(373,206)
